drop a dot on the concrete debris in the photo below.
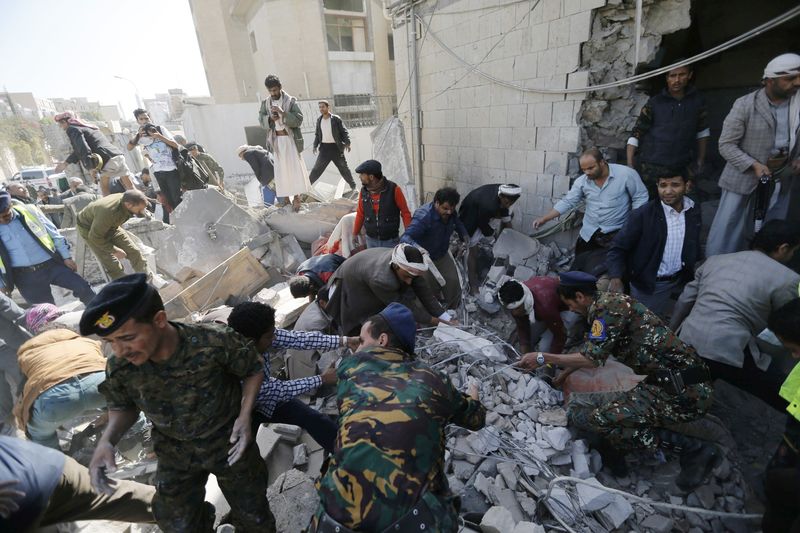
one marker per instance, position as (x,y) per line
(591,498)
(523,252)
(293,500)
(266,439)
(497,520)
(287,432)
(617,511)
(474,346)
(658,523)
(553,417)
(557,437)
(528,527)
(313,221)
(300,455)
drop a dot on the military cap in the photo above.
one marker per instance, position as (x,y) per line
(114,304)
(370,166)
(401,322)
(5,200)
(576,279)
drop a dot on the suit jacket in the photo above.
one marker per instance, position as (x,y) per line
(638,248)
(340,134)
(748,135)
(728,304)
(262,164)
(365,284)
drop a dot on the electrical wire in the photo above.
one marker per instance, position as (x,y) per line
(755,32)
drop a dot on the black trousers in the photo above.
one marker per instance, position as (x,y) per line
(35,286)
(170,184)
(294,412)
(763,384)
(329,152)
(590,257)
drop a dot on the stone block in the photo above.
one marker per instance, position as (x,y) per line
(496,158)
(593,499)
(528,527)
(617,511)
(498,118)
(515,160)
(518,116)
(559,33)
(544,185)
(266,439)
(580,27)
(577,80)
(526,66)
(293,500)
(547,62)
(510,473)
(540,115)
(489,137)
(557,437)
(288,433)
(555,163)
(535,162)
(551,10)
(300,455)
(569,139)
(517,246)
(497,520)
(568,59)
(592,4)
(658,523)
(560,186)
(564,113)
(538,37)
(523,139)
(547,139)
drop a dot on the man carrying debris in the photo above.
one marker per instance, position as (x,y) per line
(759,143)
(197,384)
(727,305)
(669,126)
(609,193)
(277,400)
(536,308)
(677,388)
(41,487)
(34,255)
(313,274)
(658,246)
(387,472)
(91,148)
(215,172)
(100,225)
(331,139)
(479,209)
(370,280)
(381,206)
(431,228)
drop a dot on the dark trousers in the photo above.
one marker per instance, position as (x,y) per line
(782,512)
(294,412)
(330,152)
(590,256)
(170,184)
(761,384)
(35,286)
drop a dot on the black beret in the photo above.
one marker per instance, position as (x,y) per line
(114,304)
(576,278)
(370,166)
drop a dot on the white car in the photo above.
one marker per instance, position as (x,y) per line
(35,177)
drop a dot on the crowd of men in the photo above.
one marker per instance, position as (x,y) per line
(640,283)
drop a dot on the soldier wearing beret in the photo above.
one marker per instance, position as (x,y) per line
(197,384)
(677,388)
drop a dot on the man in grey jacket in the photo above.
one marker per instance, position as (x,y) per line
(758,139)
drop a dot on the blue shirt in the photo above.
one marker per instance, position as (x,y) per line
(23,248)
(607,207)
(427,229)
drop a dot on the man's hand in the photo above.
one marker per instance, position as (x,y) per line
(102,463)
(60,167)
(241,436)
(353,343)
(119,253)
(329,376)
(347,147)
(277,109)
(761,170)
(528,361)
(314,150)
(615,285)
(70,264)
(539,222)
(8,497)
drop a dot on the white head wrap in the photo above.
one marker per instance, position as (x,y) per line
(241,149)
(399,259)
(783,65)
(526,300)
(509,189)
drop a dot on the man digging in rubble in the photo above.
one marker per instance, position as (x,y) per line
(370,280)
(313,274)
(536,308)
(100,225)
(431,228)
(480,208)
(677,388)
(277,399)
(197,384)
(387,472)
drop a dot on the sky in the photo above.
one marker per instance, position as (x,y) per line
(68,48)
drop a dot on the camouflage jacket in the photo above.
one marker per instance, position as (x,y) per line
(390,444)
(634,335)
(194,393)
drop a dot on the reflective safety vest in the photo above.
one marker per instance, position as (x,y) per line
(34,226)
(790,390)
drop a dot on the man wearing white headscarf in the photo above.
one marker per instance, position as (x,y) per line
(536,308)
(759,143)
(370,280)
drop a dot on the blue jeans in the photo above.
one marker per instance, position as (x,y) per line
(377,243)
(35,286)
(61,403)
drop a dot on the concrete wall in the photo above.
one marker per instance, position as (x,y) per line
(475,132)
(379,32)
(351,73)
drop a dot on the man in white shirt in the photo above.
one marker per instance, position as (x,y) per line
(331,140)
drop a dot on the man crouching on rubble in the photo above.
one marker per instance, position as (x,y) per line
(197,384)
(387,472)
(677,387)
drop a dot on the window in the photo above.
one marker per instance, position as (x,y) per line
(344,5)
(253,45)
(390,37)
(346,34)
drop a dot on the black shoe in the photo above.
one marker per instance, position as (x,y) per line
(613,459)
(698,457)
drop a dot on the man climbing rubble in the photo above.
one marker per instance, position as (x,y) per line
(277,399)
(370,280)
(536,308)
(677,388)
(387,472)
(197,384)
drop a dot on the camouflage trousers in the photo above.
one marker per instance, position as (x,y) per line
(628,420)
(183,469)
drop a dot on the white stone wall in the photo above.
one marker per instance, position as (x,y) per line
(478,132)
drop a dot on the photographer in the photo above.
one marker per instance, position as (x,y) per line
(159,147)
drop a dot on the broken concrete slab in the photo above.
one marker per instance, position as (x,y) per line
(558,437)
(300,453)
(553,417)
(476,347)
(658,523)
(497,520)
(313,221)
(288,433)
(293,500)
(266,439)
(617,511)
(528,527)
(592,498)
(516,246)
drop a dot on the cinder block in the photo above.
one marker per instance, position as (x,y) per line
(489,137)
(563,113)
(551,10)
(592,4)
(496,158)
(517,115)
(560,186)
(535,162)
(569,138)
(580,27)
(559,33)
(571,7)
(498,116)
(540,115)
(547,139)
(547,62)
(528,183)
(555,163)
(515,160)
(577,80)
(506,137)
(523,138)
(568,59)
(538,37)
(526,66)
(544,185)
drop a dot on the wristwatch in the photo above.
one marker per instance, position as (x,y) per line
(540,358)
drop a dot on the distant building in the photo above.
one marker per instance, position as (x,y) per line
(26,105)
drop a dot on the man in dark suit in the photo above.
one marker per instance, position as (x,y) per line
(657,248)
(331,139)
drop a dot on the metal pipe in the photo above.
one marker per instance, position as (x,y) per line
(416,130)
(637,35)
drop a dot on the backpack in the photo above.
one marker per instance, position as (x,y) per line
(193,174)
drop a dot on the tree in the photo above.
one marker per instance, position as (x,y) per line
(25,139)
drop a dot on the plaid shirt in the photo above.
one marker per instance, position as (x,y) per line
(276,391)
(671,261)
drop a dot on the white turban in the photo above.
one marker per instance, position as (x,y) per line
(509,189)
(241,149)
(399,259)
(526,300)
(783,65)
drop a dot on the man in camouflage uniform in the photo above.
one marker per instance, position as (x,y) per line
(677,388)
(197,384)
(388,467)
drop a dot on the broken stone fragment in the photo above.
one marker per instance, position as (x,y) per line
(591,498)
(288,433)
(658,523)
(528,527)
(617,511)
(557,437)
(497,520)
(553,417)
(510,473)
(463,469)
(300,455)
(293,500)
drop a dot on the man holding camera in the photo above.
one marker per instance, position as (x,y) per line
(159,146)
